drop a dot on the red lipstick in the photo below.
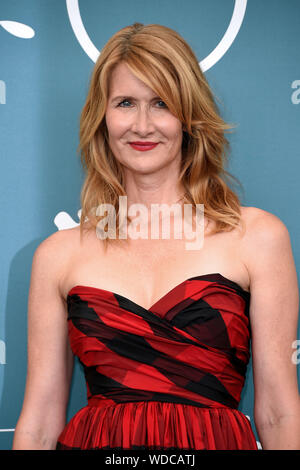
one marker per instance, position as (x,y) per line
(143,146)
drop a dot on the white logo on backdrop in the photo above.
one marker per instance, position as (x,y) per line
(205,64)
(18,29)
(64,221)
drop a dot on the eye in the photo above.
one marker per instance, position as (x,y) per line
(164,104)
(123,101)
(128,101)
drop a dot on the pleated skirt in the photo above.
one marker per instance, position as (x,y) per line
(157,425)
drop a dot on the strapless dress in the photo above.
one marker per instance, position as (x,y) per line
(167,377)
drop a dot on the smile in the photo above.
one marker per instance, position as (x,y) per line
(143,148)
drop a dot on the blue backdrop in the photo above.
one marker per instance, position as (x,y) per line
(250,54)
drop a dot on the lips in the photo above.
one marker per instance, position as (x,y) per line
(143,146)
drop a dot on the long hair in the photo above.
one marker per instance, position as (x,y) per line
(162,59)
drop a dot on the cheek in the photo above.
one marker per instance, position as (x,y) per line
(172,128)
(176,135)
(114,127)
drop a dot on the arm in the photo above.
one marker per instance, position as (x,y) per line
(273,317)
(50,359)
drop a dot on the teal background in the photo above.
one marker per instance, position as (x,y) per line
(46,80)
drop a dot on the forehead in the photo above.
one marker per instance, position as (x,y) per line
(123,81)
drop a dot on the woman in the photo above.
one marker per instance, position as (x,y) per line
(162,331)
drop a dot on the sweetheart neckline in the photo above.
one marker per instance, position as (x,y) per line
(201,276)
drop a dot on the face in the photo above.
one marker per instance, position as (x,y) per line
(136,114)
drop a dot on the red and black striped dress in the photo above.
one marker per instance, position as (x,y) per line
(167,377)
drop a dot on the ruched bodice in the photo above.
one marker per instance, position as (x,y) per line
(176,368)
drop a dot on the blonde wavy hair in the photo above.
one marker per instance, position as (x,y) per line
(162,59)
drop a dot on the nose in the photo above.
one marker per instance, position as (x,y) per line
(142,121)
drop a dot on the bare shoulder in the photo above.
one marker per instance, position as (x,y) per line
(267,247)
(53,254)
(262,226)
(59,244)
